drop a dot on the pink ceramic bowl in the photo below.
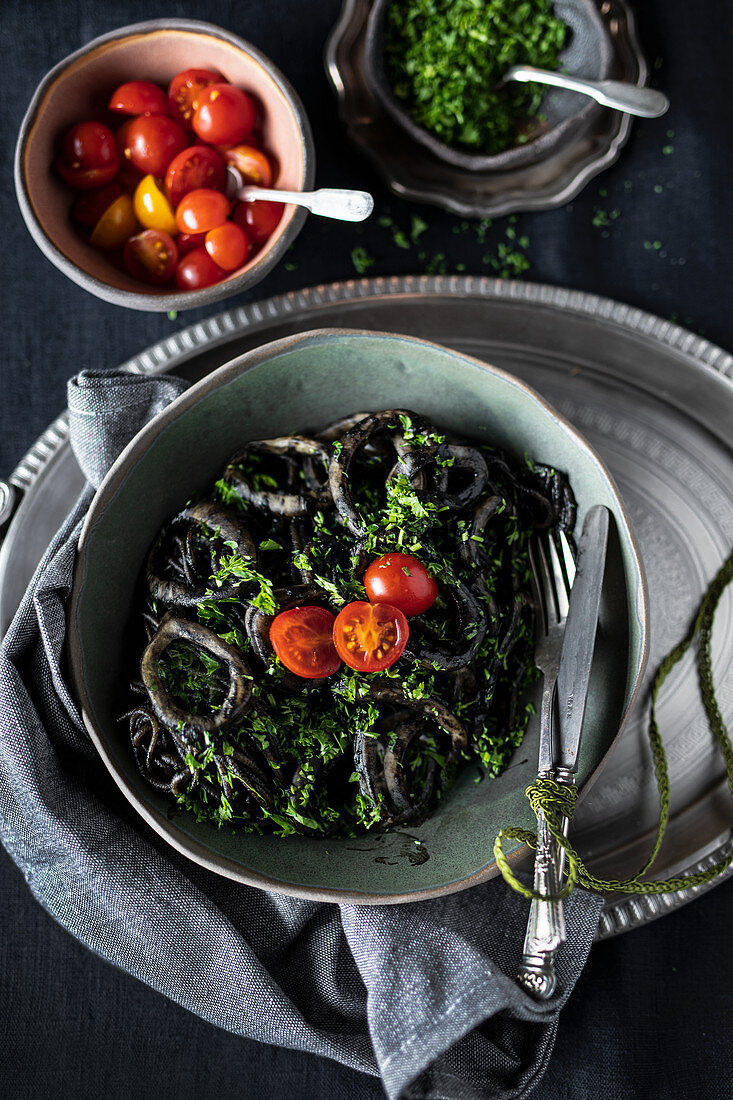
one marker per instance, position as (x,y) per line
(79,88)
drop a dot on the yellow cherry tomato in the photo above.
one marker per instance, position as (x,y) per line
(116,224)
(152,207)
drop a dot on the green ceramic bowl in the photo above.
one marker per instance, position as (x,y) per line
(299,384)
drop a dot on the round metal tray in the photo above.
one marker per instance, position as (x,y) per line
(654,400)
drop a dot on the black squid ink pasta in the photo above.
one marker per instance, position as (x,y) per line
(231,735)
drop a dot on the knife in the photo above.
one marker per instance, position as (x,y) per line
(537,973)
(576,656)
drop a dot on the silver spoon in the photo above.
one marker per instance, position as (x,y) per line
(329,202)
(634,100)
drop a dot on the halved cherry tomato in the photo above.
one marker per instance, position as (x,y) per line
(195,167)
(116,224)
(187,241)
(89,207)
(370,636)
(197,270)
(127,174)
(225,115)
(151,256)
(258,219)
(251,163)
(202,210)
(184,91)
(89,145)
(89,156)
(152,207)
(154,140)
(138,97)
(85,179)
(227,245)
(303,641)
(402,581)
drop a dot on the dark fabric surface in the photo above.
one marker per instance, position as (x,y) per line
(652,1014)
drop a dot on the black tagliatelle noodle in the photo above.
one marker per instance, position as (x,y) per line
(234,737)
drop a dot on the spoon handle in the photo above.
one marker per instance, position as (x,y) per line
(631,98)
(329,202)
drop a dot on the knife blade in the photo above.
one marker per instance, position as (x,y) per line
(576,655)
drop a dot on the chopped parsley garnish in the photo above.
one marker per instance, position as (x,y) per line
(445,60)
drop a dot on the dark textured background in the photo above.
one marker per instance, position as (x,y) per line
(652,1015)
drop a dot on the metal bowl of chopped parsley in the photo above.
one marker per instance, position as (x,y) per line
(299,385)
(436,67)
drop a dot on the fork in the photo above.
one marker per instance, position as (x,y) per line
(551,583)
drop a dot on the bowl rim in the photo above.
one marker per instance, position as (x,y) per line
(175,300)
(511,159)
(113,482)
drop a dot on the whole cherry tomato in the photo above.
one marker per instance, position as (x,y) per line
(303,641)
(151,256)
(187,241)
(251,163)
(117,223)
(197,270)
(152,207)
(154,141)
(195,167)
(258,219)
(227,245)
(89,156)
(202,210)
(370,636)
(184,91)
(127,174)
(89,207)
(402,581)
(138,97)
(225,115)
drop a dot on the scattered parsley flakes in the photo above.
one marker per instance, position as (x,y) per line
(361,259)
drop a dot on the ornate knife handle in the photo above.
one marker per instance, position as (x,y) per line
(546,924)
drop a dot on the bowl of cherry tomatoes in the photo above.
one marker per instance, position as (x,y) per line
(123,167)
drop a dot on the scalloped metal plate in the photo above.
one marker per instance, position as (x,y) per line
(625,378)
(413,172)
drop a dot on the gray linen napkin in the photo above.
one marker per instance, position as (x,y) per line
(420,995)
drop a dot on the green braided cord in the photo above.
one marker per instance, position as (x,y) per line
(551,798)
(556,801)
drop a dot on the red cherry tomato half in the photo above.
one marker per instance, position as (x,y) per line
(251,163)
(225,115)
(258,219)
(227,245)
(89,207)
(153,141)
(89,145)
(195,167)
(127,174)
(202,210)
(402,581)
(151,256)
(197,270)
(138,97)
(184,92)
(89,156)
(303,640)
(370,636)
(187,241)
(85,179)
